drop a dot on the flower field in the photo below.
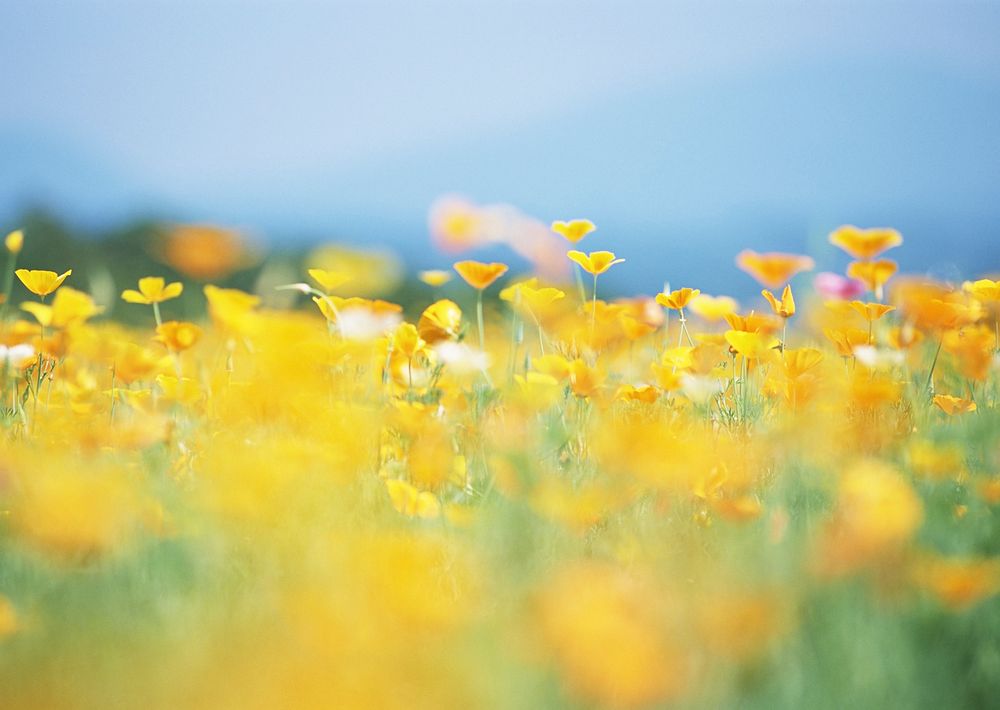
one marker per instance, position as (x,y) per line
(504,492)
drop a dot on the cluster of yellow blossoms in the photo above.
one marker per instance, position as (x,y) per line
(560,500)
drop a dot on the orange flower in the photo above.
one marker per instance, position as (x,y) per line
(785,307)
(774,269)
(480,275)
(435,277)
(178,336)
(574,230)
(203,251)
(871,311)
(865,244)
(953,405)
(597,262)
(678,299)
(873,274)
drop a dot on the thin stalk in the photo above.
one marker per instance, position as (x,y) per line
(479,319)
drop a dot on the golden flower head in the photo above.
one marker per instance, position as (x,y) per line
(435,277)
(785,307)
(478,274)
(773,269)
(597,262)
(177,336)
(42,283)
(153,289)
(574,230)
(678,299)
(865,244)
(14,241)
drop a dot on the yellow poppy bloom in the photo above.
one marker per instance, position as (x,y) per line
(873,274)
(574,230)
(865,244)
(440,321)
(42,283)
(435,277)
(773,269)
(678,299)
(328,280)
(153,289)
(478,274)
(953,405)
(597,262)
(871,311)
(14,241)
(713,308)
(985,290)
(785,307)
(178,336)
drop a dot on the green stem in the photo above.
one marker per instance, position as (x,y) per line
(479,319)
(930,375)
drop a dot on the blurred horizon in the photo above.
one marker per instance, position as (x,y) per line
(685,131)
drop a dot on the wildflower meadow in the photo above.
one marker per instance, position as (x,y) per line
(512,486)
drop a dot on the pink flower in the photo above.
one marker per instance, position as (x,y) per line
(836,287)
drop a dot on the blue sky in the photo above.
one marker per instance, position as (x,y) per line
(265,112)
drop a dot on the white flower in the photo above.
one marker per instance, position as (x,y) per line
(461,358)
(16,354)
(878,358)
(360,323)
(700,388)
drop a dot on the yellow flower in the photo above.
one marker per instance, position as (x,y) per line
(865,244)
(785,307)
(14,241)
(597,262)
(953,405)
(153,289)
(407,340)
(177,336)
(751,345)
(585,380)
(985,290)
(435,277)
(9,623)
(42,283)
(408,500)
(871,311)
(873,274)
(774,269)
(574,230)
(713,308)
(329,280)
(480,275)
(677,299)
(69,307)
(440,321)
(231,308)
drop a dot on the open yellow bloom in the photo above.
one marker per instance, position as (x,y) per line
(865,244)
(873,274)
(42,283)
(751,345)
(597,262)
(442,320)
(69,307)
(178,336)
(574,230)
(953,405)
(773,269)
(328,280)
(677,299)
(985,290)
(871,311)
(153,289)
(480,275)
(713,308)
(785,307)
(14,241)
(435,277)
